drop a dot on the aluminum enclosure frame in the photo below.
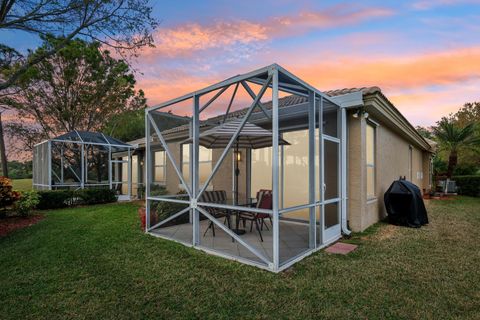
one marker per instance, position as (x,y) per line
(277,79)
(45,155)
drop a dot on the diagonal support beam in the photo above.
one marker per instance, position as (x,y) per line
(169,154)
(234,235)
(69,167)
(56,175)
(293,89)
(230,104)
(234,137)
(218,94)
(176,215)
(252,94)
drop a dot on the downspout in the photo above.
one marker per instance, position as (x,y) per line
(349,100)
(343,171)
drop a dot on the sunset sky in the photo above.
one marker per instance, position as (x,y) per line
(424,55)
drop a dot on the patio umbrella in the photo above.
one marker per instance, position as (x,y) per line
(251,137)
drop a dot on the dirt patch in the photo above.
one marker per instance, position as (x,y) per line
(10,224)
(385,232)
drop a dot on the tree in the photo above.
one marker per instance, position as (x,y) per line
(468,158)
(424,132)
(131,125)
(124,25)
(78,88)
(126,126)
(452,138)
(469,113)
(20,170)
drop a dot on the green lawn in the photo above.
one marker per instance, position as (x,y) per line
(94,262)
(22,184)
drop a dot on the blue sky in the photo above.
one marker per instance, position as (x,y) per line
(424,55)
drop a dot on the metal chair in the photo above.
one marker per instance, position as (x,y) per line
(264,201)
(217,196)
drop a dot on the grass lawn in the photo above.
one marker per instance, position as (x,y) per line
(94,262)
(22,184)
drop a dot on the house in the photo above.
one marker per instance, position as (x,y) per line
(398,151)
(366,144)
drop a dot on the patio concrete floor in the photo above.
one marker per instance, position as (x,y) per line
(293,239)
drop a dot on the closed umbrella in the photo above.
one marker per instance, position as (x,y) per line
(251,137)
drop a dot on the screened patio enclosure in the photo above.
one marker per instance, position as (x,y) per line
(81,159)
(268,206)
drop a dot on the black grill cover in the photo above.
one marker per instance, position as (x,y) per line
(404,204)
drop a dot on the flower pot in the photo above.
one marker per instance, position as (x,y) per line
(142,216)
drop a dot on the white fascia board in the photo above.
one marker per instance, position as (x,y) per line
(349,100)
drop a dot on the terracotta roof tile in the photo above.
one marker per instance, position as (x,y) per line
(364,90)
(286,101)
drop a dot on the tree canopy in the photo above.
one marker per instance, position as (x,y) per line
(121,24)
(454,138)
(424,132)
(126,126)
(78,88)
(130,125)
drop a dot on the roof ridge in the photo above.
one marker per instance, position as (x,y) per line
(285,101)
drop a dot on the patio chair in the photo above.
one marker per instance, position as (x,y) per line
(264,201)
(217,196)
(118,189)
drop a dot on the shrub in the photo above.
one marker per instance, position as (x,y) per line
(55,199)
(28,201)
(7,195)
(468,185)
(96,196)
(161,210)
(463,169)
(164,209)
(157,190)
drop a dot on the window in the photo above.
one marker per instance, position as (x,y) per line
(204,163)
(370,161)
(159,167)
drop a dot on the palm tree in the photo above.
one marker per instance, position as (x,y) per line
(452,138)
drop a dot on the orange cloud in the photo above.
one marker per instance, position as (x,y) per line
(193,37)
(188,38)
(434,68)
(425,107)
(406,79)
(339,15)
(160,90)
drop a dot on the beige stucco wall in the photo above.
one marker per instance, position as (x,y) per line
(172,180)
(221,181)
(427,178)
(356,175)
(391,157)
(392,160)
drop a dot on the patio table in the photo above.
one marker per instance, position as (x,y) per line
(246,203)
